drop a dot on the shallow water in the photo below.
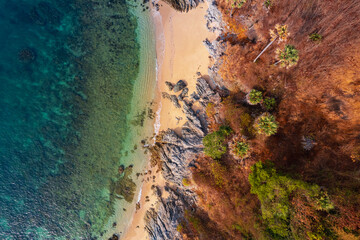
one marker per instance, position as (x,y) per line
(68,116)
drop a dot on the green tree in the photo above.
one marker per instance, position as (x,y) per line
(214,145)
(275,191)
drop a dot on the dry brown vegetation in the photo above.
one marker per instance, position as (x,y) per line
(318,98)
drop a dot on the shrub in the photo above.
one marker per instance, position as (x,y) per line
(289,57)
(269,103)
(214,145)
(355,155)
(218,172)
(266,124)
(275,191)
(268,4)
(315,37)
(179,228)
(255,97)
(210,109)
(186,182)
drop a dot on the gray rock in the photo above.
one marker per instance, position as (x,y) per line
(169,85)
(183,94)
(165,95)
(194,96)
(161,224)
(213,17)
(180,85)
(175,101)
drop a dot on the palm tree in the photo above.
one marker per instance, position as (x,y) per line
(280,32)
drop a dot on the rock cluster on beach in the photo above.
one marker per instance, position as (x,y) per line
(177,153)
(183,5)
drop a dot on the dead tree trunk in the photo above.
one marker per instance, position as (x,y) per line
(265,49)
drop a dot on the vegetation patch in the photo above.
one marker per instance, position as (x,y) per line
(237,3)
(275,193)
(214,145)
(268,4)
(186,182)
(218,171)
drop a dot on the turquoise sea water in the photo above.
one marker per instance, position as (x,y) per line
(68,71)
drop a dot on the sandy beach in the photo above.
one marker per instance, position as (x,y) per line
(181,54)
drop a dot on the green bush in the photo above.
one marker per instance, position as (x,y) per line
(288,57)
(214,145)
(266,124)
(218,172)
(275,191)
(241,149)
(237,3)
(268,4)
(269,103)
(315,37)
(186,182)
(255,96)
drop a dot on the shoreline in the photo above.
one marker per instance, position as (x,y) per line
(180,54)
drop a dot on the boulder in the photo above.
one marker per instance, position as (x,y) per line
(175,101)
(169,85)
(165,95)
(180,85)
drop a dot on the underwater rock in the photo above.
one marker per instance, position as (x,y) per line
(180,85)
(125,186)
(114,237)
(121,169)
(27,55)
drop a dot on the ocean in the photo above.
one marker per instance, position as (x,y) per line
(77,83)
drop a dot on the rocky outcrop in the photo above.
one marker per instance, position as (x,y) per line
(213,17)
(180,85)
(175,101)
(177,153)
(169,85)
(217,47)
(162,223)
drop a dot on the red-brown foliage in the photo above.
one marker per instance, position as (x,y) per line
(318,98)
